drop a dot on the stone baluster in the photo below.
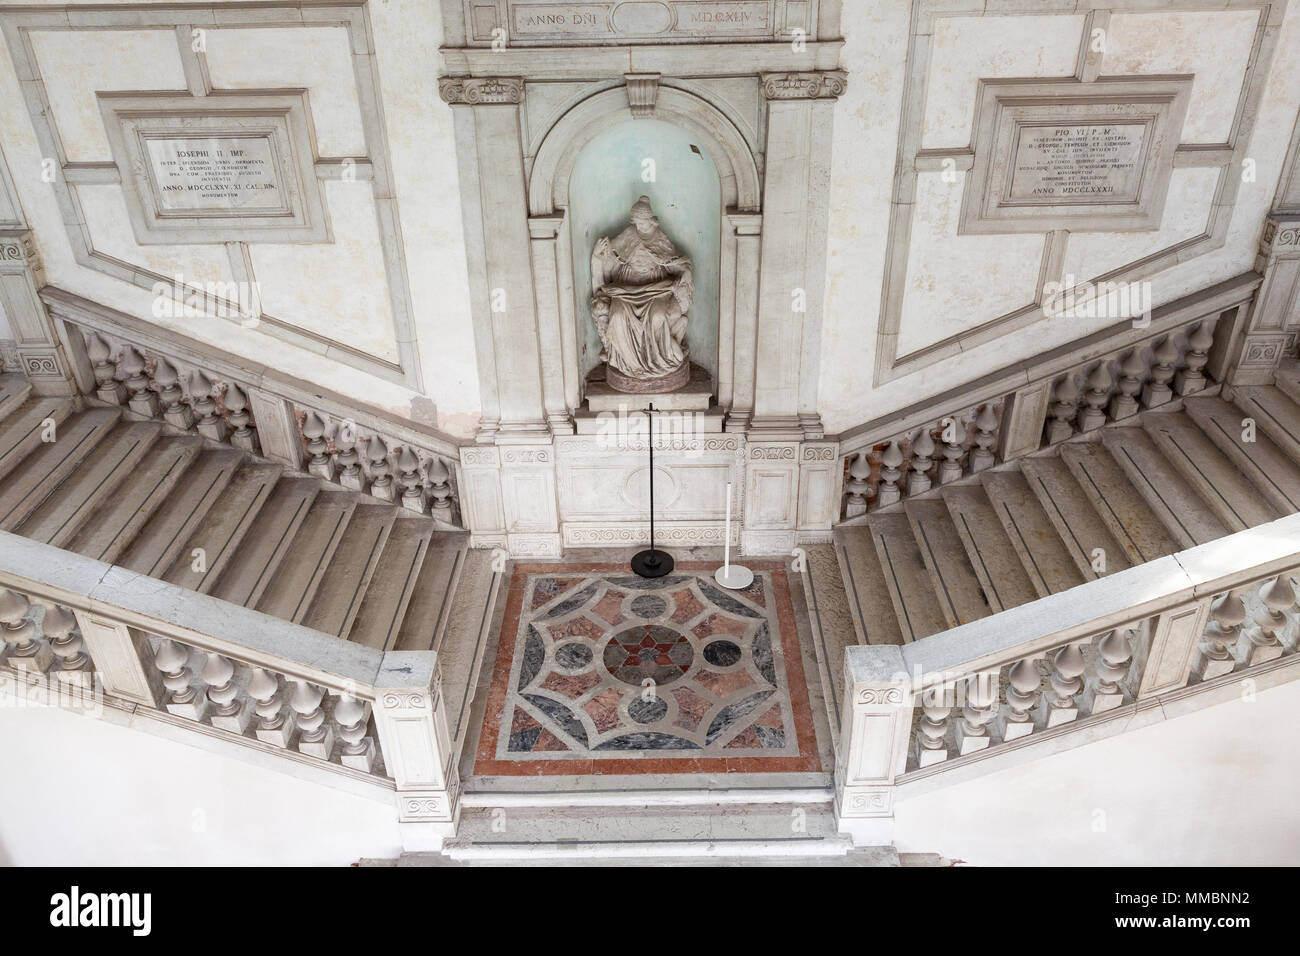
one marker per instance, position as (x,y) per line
(183,698)
(29,652)
(141,401)
(1214,657)
(1064,405)
(205,407)
(932,729)
(1099,382)
(1131,372)
(1192,378)
(1261,643)
(408,463)
(888,492)
(1114,654)
(918,481)
(174,411)
(317,737)
(275,722)
(1024,684)
(320,465)
(980,709)
(230,711)
(244,435)
(1157,391)
(357,750)
(107,387)
(60,628)
(1059,706)
(986,436)
(440,489)
(381,479)
(950,470)
(345,443)
(858,486)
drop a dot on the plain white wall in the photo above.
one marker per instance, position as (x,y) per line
(79,791)
(1215,787)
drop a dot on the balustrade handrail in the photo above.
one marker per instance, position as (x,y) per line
(50,574)
(1043,367)
(1115,601)
(75,310)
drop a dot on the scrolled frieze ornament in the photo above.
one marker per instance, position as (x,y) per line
(481,91)
(805,86)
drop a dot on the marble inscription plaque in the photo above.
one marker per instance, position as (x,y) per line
(194,175)
(1062,154)
(549,22)
(1096,162)
(230,167)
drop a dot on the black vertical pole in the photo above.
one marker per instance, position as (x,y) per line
(651,563)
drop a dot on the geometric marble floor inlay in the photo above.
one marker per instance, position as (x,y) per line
(601,671)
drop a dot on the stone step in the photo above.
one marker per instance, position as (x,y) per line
(21,431)
(14,391)
(254,564)
(109,531)
(113,463)
(1275,415)
(294,584)
(864,586)
(394,584)
(911,590)
(1275,475)
(224,527)
(961,596)
(426,616)
(161,538)
(991,553)
(1217,480)
(1287,379)
(1171,497)
(1122,508)
(343,587)
(1078,526)
(1042,553)
(51,463)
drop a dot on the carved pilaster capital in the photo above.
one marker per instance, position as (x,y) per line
(825,84)
(1281,236)
(642,93)
(481,90)
(18,253)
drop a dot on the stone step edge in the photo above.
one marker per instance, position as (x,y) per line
(810,847)
(644,798)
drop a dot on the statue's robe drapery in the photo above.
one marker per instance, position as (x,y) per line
(643,290)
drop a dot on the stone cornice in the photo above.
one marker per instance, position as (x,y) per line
(826,84)
(481,91)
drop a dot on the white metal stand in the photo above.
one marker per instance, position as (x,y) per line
(731,575)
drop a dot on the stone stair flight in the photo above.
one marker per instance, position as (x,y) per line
(1121,495)
(142,495)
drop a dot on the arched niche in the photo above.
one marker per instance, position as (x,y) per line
(657,159)
(562,289)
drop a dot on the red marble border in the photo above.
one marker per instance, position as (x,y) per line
(805,734)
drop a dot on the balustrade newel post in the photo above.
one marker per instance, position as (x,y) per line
(875,727)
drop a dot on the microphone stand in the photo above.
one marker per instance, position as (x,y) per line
(651,563)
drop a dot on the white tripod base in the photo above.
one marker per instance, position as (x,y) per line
(734,576)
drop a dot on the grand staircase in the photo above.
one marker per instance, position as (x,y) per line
(1120,496)
(212,518)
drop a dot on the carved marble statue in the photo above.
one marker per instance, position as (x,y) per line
(642,290)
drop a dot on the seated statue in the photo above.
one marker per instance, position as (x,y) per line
(642,290)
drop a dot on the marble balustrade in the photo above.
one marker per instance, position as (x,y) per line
(880,467)
(1210,623)
(107,638)
(209,397)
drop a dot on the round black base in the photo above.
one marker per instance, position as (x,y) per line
(652,563)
